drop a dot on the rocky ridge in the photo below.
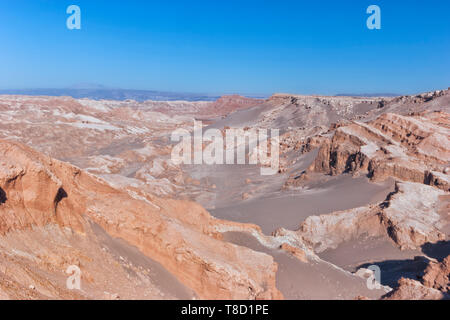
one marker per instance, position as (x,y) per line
(39,192)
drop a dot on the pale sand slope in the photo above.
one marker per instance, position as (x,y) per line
(350,255)
(393,263)
(268,205)
(231,183)
(125,254)
(288,211)
(271,207)
(308,281)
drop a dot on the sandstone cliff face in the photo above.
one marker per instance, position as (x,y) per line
(328,231)
(410,148)
(39,191)
(33,194)
(411,217)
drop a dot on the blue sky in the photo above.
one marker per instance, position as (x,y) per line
(227,46)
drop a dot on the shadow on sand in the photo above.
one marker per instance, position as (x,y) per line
(393,270)
(438,251)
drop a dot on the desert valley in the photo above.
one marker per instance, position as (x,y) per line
(362,182)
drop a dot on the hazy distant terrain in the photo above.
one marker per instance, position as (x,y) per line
(98,92)
(112,94)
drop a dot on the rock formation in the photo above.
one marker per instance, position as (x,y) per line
(410,148)
(409,289)
(41,192)
(435,284)
(437,275)
(410,216)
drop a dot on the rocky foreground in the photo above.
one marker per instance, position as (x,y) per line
(52,212)
(90,184)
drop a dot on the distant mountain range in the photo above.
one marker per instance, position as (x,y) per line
(100,92)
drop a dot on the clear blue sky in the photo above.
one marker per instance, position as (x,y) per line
(227,46)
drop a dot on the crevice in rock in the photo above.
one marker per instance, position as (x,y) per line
(61,194)
(3,197)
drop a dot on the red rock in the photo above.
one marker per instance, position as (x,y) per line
(41,191)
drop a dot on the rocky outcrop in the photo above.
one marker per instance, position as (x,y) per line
(328,231)
(409,289)
(410,216)
(40,191)
(435,284)
(410,148)
(33,194)
(429,101)
(437,275)
(294,251)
